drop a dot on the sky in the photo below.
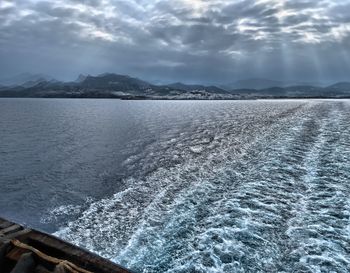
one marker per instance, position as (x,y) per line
(193,41)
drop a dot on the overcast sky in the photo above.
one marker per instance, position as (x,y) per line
(178,40)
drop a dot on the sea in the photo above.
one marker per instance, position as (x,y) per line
(184,186)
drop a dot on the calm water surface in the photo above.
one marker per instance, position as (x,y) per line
(184,186)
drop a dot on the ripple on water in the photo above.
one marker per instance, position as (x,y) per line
(266,194)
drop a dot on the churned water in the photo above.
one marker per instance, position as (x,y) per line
(171,186)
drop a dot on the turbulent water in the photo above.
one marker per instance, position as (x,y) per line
(247,186)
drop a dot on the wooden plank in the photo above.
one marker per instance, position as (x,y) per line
(54,247)
(13,235)
(5,224)
(12,228)
(15,253)
(74,254)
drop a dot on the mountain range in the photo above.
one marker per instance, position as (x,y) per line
(259,84)
(24,79)
(109,85)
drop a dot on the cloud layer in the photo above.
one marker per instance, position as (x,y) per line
(170,40)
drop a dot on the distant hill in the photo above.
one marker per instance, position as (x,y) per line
(115,82)
(259,84)
(81,78)
(341,86)
(254,84)
(106,85)
(25,79)
(338,90)
(111,85)
(197,87)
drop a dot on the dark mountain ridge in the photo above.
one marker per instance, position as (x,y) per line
(197,87)
(111,85)
(260,84)
(343,86)
(114,81)
(24,79)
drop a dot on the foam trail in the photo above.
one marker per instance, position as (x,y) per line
(262,188)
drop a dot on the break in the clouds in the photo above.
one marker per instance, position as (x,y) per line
(171,40)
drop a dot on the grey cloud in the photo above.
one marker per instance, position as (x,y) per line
(178,40)
(93,3)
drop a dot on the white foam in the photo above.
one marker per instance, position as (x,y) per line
(243,203)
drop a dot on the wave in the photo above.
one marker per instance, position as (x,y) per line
(255,187)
